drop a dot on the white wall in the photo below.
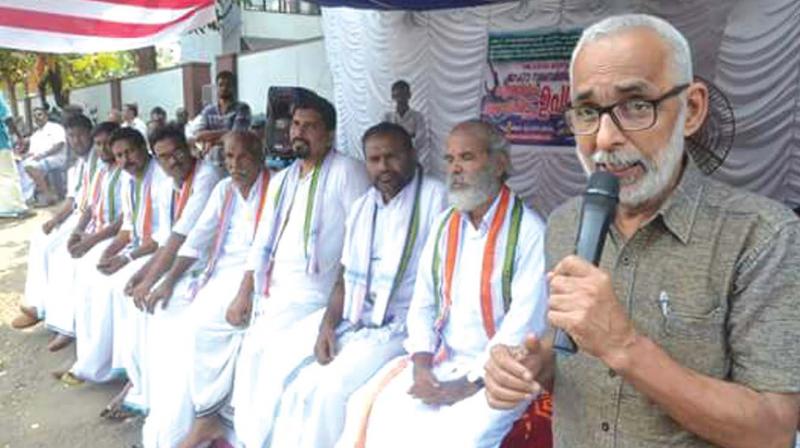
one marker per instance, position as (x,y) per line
(163,89)
(97,96)
(204,47)
(280,26)
(302,65)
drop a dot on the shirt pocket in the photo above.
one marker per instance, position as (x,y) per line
(693,333)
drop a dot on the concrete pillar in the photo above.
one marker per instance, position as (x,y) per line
(116,93)
(227,62)
(195,76)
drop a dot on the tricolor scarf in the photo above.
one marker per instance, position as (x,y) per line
(86,177)
(284,201)
(179,199)
(506,220)
(360,281)
(222,229)
(141,205)
(104,211)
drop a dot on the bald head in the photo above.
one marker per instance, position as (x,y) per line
(487,137)
(248,140)
(244,158)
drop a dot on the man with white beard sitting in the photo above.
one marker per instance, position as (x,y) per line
(480,282)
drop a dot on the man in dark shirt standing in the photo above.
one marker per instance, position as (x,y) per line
(217,119)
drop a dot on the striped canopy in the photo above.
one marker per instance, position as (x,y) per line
(88,26)
(410,5)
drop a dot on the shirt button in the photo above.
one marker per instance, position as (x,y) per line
(612,373)
(626,260)
(604,426)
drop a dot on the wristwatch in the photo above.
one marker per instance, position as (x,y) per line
(475,378)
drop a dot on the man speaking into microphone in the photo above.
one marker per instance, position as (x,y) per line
(687,331)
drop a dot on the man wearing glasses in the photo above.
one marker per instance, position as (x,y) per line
(687,330)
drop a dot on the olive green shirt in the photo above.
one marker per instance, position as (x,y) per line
(713,280)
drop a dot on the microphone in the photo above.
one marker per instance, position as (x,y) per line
(599,204)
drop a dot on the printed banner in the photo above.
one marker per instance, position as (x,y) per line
(526,86)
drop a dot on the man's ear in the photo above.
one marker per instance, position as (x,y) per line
(696,107)
(503,165)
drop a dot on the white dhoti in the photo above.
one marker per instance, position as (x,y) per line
(397,419)
(277,344)
(65,286)
(215,343)
(94,320)
(312,409)
(40,251)
(163,366)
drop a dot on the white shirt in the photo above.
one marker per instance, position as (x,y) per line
(464,334)
(240,231)
(391,227)
(137,124)
(205,178)
(47,136)
(414,123)
(347,180)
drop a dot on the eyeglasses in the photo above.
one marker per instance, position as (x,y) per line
(629,115)
(177,155)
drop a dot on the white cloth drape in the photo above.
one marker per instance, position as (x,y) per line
(750,49)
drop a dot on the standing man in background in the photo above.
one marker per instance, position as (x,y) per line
(130,119)
(411,120)
(227,114)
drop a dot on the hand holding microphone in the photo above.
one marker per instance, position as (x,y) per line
(583,304)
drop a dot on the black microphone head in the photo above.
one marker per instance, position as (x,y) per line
(604,184)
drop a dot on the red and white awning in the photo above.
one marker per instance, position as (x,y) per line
(89,26)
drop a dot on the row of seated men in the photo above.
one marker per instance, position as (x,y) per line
(275,309)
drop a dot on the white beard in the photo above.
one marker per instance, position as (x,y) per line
(482,188)
(658,173)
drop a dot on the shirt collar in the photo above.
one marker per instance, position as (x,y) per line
(679,211)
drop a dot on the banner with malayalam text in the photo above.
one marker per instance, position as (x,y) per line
(526,86)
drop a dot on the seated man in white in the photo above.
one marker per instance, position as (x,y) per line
(480,282)
(55,231)
(100,219)
(364,324)
(187,330)
(46,152)
(182,196)
(294,261)
(134,242)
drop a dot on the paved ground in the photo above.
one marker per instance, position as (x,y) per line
(35,409)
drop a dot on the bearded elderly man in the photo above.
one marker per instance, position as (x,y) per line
(687,329)
(480,282)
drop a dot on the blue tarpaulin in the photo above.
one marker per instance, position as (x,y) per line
(413,5)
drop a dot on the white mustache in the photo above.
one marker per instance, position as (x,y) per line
(617,157)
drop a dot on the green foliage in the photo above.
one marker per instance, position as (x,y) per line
(15,66)
(80,70)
